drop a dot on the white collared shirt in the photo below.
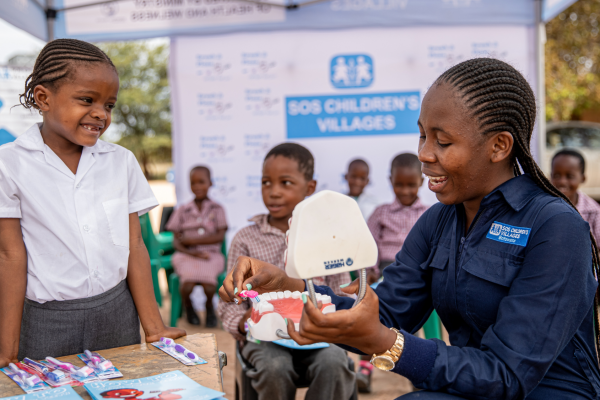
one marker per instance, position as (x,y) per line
(75,226)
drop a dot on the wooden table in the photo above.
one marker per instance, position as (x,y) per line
(141,360)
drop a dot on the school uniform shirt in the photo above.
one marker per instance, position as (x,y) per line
(390,224)
(590,211)
(75,226)
(194,223)
(367,204)
(266,243)
(515,293)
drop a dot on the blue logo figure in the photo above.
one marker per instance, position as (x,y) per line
(351,71)
(349,262)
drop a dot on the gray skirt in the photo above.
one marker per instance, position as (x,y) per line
(60,328)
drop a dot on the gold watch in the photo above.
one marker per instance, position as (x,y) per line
(386,361)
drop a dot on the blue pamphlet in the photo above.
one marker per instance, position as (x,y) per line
(62,393)
(172,385)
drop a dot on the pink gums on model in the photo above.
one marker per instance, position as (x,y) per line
(288,308)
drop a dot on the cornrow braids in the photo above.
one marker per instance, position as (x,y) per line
(55,63)
(500,98)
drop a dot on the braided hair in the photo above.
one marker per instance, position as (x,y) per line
(56,61)
(501,100)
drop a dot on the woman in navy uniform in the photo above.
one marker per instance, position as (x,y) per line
(504,259)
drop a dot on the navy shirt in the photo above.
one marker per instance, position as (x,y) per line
(515,294)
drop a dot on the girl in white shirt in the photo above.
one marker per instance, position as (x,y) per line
(74,271)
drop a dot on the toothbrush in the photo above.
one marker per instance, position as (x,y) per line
(55,376)
(189,354)
(97,361)
(18,371)
(36,365)
(25,378)
(65,366)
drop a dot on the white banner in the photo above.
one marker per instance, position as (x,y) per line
(343,94)
(14,120)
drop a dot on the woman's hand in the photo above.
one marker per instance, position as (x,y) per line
(167,332)
(358,327)
(263,277)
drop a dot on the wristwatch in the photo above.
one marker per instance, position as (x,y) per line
(386,361)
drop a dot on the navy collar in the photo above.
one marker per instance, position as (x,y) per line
(517,192)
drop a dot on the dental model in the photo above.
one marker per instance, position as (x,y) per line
(269,311)
(328,235)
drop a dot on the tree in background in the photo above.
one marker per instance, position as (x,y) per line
(573,61)
(143,113)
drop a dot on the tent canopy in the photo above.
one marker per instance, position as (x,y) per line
(96,20)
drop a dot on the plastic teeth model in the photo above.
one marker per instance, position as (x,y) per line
(328,235)
(269,311)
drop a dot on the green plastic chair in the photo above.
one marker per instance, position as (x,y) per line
(433,327)
(176,303)
(160,249)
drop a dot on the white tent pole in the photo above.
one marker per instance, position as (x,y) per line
(540,41)
(50,18)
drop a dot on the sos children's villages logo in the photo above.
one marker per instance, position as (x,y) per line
(351,71)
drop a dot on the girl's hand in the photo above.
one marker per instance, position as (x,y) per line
(203,255)
(4,361)
(261,276)
(358,327)
(167,332)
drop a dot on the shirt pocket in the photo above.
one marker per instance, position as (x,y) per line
(489,277)
(437,264)
(118,220)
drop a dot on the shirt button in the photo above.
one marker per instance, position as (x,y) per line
(78,185)
(96,273)
(86,228)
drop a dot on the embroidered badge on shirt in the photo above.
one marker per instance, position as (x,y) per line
(508,234)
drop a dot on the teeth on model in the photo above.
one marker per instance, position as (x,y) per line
(264,300)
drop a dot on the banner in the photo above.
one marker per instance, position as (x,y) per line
(343,94)
(138,19)
(14,120)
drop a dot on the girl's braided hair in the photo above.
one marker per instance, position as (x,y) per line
(502,100)
(56,61)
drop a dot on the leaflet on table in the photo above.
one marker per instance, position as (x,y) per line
(170,350)
(109,373)
(63,393)
(27,389)
(172,385)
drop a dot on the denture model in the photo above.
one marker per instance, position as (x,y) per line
(270,309)
(328,235)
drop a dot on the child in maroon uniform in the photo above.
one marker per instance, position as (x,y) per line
(199,227)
